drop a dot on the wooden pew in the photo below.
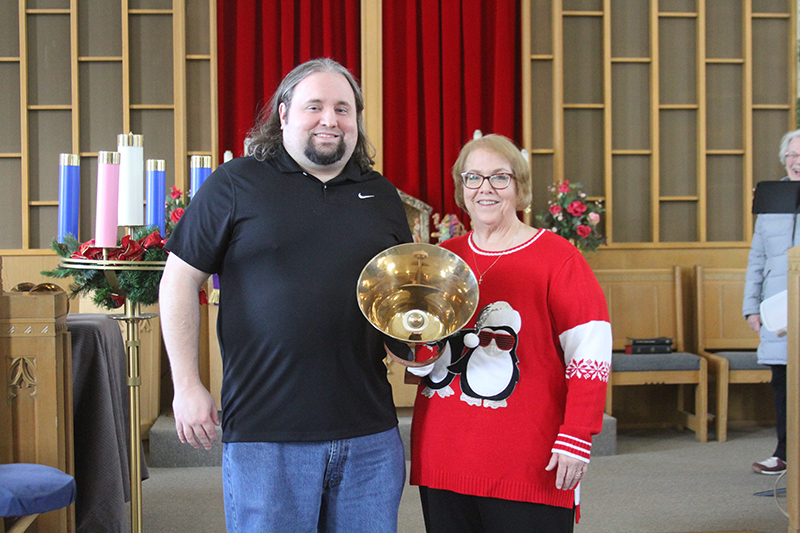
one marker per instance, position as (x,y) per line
(724,337)
(644,303)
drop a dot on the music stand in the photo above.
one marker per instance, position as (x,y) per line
(776,197)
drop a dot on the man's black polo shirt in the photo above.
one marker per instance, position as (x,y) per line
(300,362)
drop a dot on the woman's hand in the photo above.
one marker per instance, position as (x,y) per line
(570,470)
(754,321)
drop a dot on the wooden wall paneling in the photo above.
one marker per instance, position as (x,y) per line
(179,93)
(677,105)
(126,70)
(725,130)
(24,268)
(372,75)
(793,59)
(198,100)
(584,108)
(630,188)
(747,118)
(527,108)
(601,190)
(100,96)
(678,147)
(198,81)
(541,140)
(678,220)
(655,159)
(48,114)
(9,37)
(12,123)
(542,168)
(718,44)
(11,203)
(24,141)
(771,112)
(74,82)
(558,90)
(628,114)
(793,394)
(702,119)
(214,91)
(609,94)
(725,209)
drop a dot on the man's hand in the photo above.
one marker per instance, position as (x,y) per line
(195,417)
(754,321)
(570,470)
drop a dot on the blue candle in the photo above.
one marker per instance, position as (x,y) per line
(69,195)
(200,166)
(156,194)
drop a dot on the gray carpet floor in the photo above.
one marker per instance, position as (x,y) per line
(660,481)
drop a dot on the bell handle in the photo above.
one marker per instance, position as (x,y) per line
(406,362)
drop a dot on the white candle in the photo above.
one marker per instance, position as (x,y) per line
(131,179)
(227,156)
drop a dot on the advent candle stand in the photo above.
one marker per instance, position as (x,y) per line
(132,317)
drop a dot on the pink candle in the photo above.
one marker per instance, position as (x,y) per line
(105,227)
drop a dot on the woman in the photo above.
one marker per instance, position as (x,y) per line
(767,266)
(503,421)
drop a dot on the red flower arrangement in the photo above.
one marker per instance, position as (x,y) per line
(572,217)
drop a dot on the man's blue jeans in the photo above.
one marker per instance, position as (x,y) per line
(351,485)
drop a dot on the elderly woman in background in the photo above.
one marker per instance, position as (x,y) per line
(503,421)
(767,268)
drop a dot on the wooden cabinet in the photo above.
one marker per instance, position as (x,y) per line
(36,405)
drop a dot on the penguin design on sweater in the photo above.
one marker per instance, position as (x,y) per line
(488,368)
(439,379)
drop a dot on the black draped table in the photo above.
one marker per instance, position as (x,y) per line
(101,424)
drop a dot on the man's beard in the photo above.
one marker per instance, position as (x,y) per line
(325,158)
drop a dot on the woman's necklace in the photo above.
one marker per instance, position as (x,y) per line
(475,258)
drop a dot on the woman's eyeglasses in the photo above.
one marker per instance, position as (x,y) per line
(473,180)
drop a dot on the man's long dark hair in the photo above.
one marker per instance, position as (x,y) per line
(266,137)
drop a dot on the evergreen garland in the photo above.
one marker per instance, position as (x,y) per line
(140,286)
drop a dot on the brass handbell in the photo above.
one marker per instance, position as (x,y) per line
(417,293)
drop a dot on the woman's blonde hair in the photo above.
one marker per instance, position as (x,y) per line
(505,148)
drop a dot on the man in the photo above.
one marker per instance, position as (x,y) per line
(310,434)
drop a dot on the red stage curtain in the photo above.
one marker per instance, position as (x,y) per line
(449,67)
(260,41)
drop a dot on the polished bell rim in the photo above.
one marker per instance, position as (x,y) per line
(417,293)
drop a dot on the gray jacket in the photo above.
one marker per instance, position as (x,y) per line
(767,267)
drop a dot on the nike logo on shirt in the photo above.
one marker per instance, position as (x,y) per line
(365,196)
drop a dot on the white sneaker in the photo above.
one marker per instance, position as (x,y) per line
(770,466)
